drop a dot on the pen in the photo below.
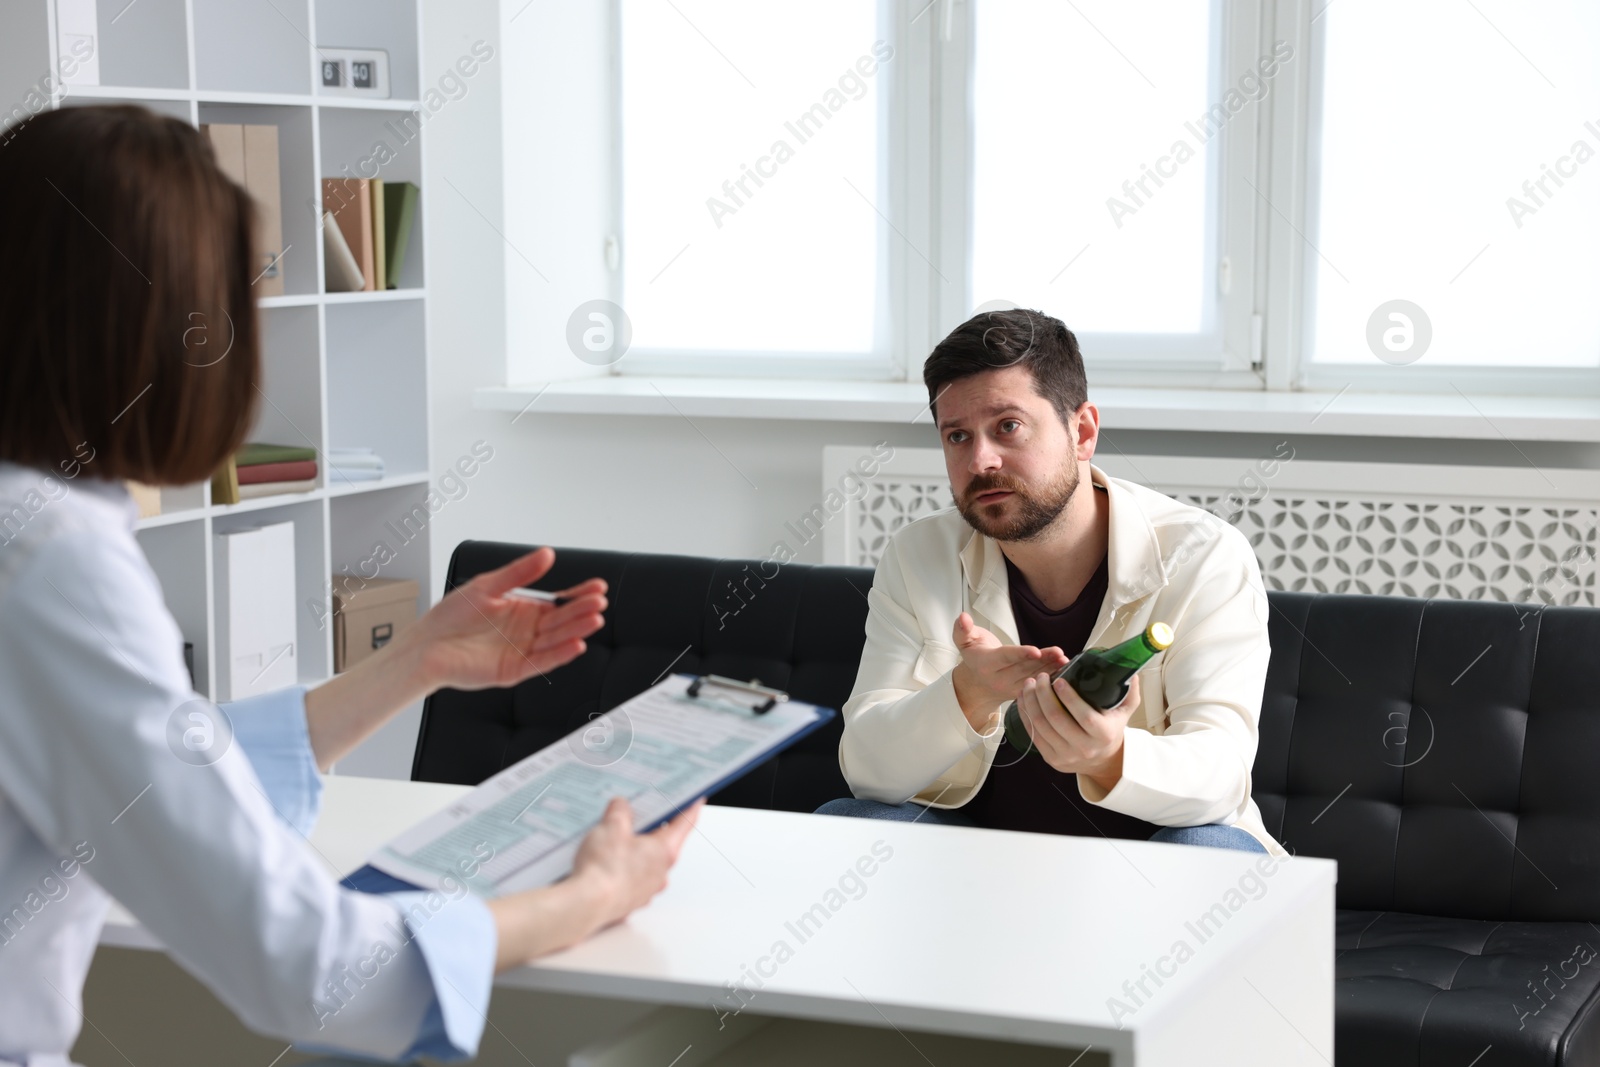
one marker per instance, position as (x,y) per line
(537,594)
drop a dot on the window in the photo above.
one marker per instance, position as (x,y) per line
(1244,193)
(1095,161)
(769,169)
(752,182)
(1094,168)
(1456,191)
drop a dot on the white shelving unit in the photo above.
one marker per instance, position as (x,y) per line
(340,369)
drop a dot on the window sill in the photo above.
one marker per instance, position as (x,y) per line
(1519,418)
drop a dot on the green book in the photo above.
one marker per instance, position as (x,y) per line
(399,212)
(225,484)
(257,452)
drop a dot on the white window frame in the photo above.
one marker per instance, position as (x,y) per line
(1293,140)
(1227,357)
(887,363)
(1264,232)
(927,166)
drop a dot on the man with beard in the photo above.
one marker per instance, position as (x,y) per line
(1043,556)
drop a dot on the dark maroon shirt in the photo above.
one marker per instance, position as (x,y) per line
(1029,794)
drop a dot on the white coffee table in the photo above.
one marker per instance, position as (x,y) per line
(1151,954)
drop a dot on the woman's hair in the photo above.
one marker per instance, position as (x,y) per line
(127,317)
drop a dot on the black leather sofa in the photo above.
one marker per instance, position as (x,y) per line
(1443,752)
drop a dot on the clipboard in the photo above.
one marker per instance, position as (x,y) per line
(782,722)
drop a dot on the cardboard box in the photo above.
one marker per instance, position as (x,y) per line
(368,614)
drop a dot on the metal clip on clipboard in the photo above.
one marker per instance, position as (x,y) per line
(753,688)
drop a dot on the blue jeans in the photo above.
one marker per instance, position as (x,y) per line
(1213,835)
(907,812)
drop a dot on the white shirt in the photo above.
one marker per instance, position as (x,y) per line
(100,794)
(1189,746)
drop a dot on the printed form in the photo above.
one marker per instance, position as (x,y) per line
(661,750)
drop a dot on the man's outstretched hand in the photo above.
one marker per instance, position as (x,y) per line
(991,673)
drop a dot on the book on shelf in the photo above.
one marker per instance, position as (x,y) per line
(354,465)
(227,144)
(225,483)
(355,457)
(370,230)
(254,452)
(380,276)
(261,174)
(261,468)
(349,200)
(399,215)
(344,273)
(349,475)
(295,471)
(249,155)
(146,497)
(261,489)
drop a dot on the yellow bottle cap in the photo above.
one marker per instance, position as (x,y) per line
(1159,635)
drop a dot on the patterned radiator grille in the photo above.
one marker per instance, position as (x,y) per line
(1342,543)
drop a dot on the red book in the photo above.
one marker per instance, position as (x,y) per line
(278,472)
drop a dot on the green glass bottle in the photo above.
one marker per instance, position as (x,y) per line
(1099,675)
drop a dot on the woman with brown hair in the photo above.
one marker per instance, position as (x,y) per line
(118,230)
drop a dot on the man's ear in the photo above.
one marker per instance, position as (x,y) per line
(1086,421)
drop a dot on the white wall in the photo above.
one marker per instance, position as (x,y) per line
(466,294)
(466,264)
(656,484)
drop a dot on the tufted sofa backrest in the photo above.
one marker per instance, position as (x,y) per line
(797,627)
(1445,753)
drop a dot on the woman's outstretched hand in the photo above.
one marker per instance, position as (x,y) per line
(475,638)
(479,638)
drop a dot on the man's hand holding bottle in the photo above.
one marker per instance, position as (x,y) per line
(991,673)
(1081,730)
(1072,735)
(1078,728)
